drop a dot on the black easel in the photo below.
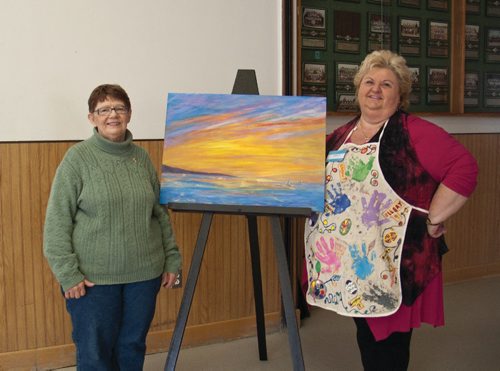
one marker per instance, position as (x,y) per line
(251,212)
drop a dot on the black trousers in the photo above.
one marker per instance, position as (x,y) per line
(391,354)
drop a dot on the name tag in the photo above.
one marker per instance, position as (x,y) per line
(336,156)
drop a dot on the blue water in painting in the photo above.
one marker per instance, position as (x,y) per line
(223,190)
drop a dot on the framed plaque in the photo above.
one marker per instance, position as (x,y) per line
(437,85)
(472,41)
(379,32)
(313,23)
(344,77)
(492,89)
(415,85)
(314,78)
(437,45)
(409,36)
(471,89)
(492,50)
(493,8)
(437,5)
(473,7)
(347,29)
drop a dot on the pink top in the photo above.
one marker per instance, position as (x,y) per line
(448,162)
(442,156)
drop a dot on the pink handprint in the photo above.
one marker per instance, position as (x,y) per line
(329,255)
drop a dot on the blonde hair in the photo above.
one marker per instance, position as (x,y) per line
(393,62)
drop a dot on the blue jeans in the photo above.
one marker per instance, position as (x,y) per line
(110,324)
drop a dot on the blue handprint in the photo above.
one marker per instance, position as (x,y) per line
(340,202)
(360,263)
(371,213)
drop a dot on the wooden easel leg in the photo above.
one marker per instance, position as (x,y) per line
(257,286)
(286,293)
(187,297)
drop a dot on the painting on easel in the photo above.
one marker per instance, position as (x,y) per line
(254,150)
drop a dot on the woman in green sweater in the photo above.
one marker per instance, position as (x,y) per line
(108,240)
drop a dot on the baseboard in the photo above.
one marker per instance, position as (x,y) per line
(158,341)
(217,332)
(469,273)
(38,359)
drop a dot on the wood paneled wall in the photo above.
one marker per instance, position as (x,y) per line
(35,331)
(473,233)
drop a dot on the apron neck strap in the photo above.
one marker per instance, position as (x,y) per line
(355,127)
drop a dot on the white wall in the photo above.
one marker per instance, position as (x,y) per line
(54,52)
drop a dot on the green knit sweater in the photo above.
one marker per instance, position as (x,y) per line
(104,222)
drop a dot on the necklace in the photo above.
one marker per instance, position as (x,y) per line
(358,125)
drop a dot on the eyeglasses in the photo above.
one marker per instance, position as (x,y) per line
(106,111)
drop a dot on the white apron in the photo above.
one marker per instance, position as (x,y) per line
(353,249)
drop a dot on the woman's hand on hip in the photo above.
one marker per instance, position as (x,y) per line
(436,230)
(79,290)
(168,279)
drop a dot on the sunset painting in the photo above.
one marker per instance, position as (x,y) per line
(226,149)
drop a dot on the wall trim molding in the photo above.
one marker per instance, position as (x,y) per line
(471,273)
(158,341)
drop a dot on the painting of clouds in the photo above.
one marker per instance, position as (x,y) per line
(253,150)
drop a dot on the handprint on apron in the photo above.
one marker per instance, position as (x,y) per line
(353,264)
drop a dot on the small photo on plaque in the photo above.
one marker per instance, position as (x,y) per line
(437,85)
(415,85)
(379,32)
(473,7)
(493,8)
(347,27)
(314,18)
(472,41)
(346,103)
(471,89)
(345,73)
(437,4)
(314,73)
(410,3)
(409,36)
(492,52)
(344,77)
(438,39)
(492,89)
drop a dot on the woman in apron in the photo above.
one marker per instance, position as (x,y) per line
(392,180)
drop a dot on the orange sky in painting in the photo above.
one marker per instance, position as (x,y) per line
(250,149)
